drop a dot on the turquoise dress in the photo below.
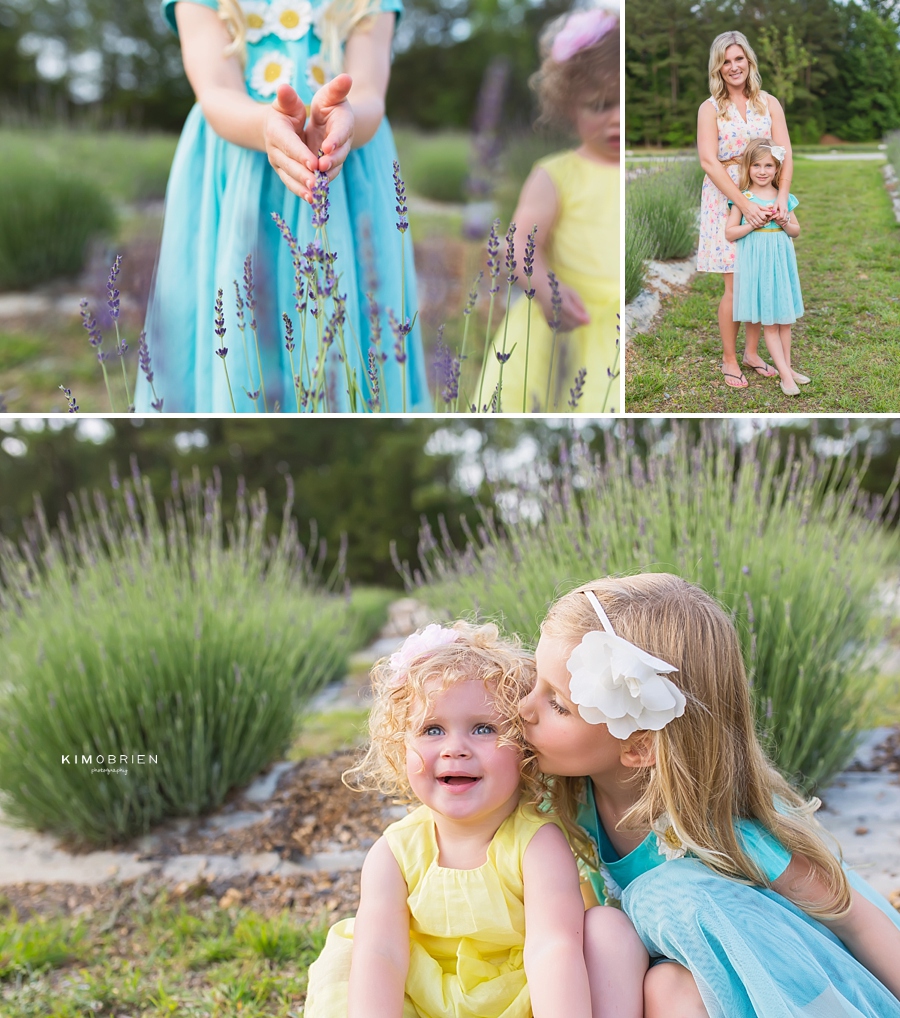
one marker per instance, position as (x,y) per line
(219,206)
(766,281)
(752,953)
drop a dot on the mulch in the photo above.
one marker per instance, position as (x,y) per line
(886,756)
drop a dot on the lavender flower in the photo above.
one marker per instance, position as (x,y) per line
(73,406)
(577,392)
(90,323)
(248,290)
(502,358)
(374,402)
(400,331)
(556,302)
(220,324)
(252,395)
(528,260)
(157,405)
(446,369)
(239,306)
(112,292)
(288,332)
(493,248)
(511,276)
(320,200)
(473,295)
(401,207)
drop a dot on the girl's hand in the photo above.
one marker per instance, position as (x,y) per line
(331,123)
(756,215)
(573,312)
(284,135)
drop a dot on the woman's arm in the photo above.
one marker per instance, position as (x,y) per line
(734,229)
(708,150)
(380,960)
(554,929)
(865,930)
(539,206)
(781,137)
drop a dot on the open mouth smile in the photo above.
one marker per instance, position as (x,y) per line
(460,781)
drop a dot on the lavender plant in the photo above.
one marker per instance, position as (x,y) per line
(137,632)
(785,538)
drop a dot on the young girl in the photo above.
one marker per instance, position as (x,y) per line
(766,284)
(642,710)
(448,893)
(573,198)
(247,151)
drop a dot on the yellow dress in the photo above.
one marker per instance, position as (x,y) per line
(467,928)
(584,254)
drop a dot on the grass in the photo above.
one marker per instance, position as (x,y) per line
(848,341)
(159,957)
(326,731)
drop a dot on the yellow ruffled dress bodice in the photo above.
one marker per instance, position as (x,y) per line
(467,928)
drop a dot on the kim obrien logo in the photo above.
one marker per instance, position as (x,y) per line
(108,763)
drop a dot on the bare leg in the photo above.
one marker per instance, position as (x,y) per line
(782,362)
(785,331)
(670,992)
(751,358)
(616,962)
(728,329)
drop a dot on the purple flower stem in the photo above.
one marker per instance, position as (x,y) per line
(528,268)
(467,314)
(503,357)
(494,267)
(242,327)
(613,373)
(556,304)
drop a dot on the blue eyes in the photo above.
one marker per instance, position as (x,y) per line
(480,729)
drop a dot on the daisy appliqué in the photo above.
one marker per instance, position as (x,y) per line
(271,70)
(613,891)
(667,841)
(256,14)
(290,19)
(318,72)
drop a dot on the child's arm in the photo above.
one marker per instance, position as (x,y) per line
(792,227)
(277,128)
(733,228)
(380,960)
(554,928)
(781,137)
(539,206)
(867,933)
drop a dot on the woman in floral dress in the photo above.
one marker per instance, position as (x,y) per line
(736,112)
(271,110)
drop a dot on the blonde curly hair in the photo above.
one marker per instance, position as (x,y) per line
(478,654)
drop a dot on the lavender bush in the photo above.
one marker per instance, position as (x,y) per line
(787,540)
(182,637)
(317,294)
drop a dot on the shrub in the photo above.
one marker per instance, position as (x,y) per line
(638,249)
(666,199)
(437,167)
(47,219)
(787,542)
(192,639)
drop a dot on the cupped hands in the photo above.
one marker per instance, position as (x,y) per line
(298,146)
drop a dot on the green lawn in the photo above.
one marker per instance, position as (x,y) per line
(848,341)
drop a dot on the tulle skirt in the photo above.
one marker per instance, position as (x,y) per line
(752,953)
(766,281)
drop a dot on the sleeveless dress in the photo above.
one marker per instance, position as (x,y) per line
(467,928)
(584,254)
(766,281)
(752,953)
(715,253)
(219,204)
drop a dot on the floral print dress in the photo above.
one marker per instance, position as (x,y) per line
(715,253)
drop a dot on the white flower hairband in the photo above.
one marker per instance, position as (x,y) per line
(619,685)
(431,637)
(779,151)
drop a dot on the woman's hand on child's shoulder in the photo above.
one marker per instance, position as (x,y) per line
(293,143)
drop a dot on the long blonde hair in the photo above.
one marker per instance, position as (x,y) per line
(717,87)
(751,154)
(338,19)
(710,768)
(479,653)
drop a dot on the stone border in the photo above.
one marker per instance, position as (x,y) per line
(662,277)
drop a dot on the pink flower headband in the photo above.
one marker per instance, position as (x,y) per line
(581,30)
(431,637)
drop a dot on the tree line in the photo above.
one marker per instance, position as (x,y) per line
(835,67)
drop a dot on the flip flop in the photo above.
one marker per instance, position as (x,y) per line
(765,370)
(735,385)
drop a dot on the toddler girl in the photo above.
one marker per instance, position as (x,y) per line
(573,198)
(248,150)
(766,283)
(448,893)
(642,710)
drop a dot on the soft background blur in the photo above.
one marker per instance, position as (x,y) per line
(92,97)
